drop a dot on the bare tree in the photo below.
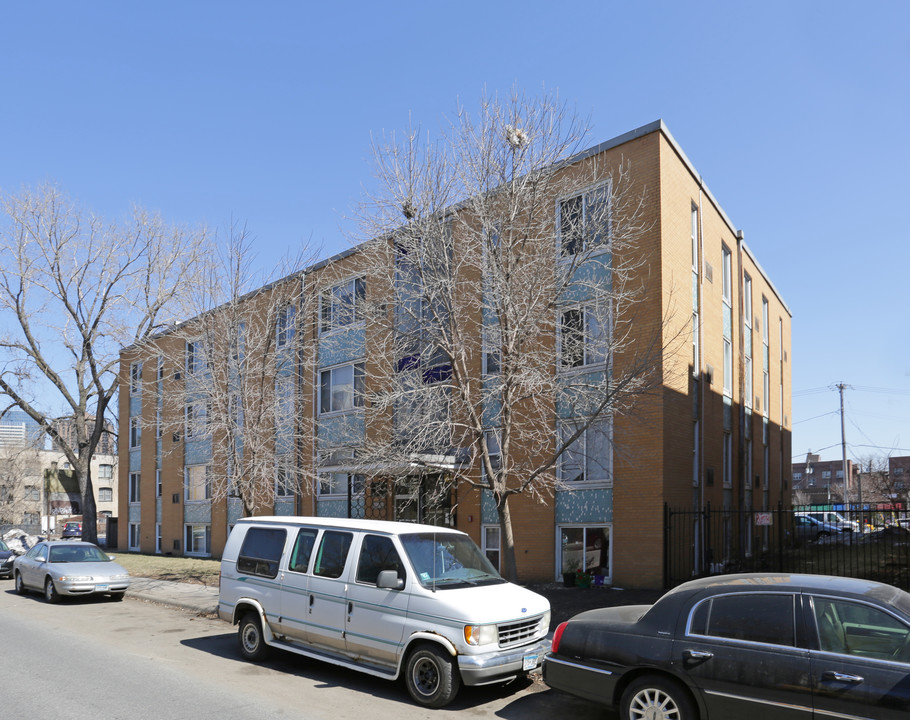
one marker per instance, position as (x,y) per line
(505,277)
(875,481)
(20,483)
(74,289)
(240,356)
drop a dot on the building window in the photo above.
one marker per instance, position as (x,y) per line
(284,478)
(342,305)
(727,260)
(196,420)
(585,548)
(284,328)
(589,458)
(194,356)
(134,488)
(105,472)
(585,222)
(492,353)
(33,494)
(105,495)
(135,378)
(198,483)
(491,545)
(135,432)
(826,474)
(341,388)
(728,460)
(157,538)
(491,438)
(157,482)
(581,338)
(337,483)
(197,539)
(160,368)
(134,536)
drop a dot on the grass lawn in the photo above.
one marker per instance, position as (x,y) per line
(163,567)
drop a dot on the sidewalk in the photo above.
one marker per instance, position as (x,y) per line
(198,598)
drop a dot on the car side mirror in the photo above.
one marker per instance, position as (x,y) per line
(41,559)
(389,580)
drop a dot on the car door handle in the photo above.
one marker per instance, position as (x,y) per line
(350,608)
(841,677)
(697,655)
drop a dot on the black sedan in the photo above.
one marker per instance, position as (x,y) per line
(744,646)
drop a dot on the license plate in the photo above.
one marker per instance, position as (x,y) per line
(101,587)
(529,662)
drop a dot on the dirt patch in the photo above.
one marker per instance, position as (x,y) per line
(179,569)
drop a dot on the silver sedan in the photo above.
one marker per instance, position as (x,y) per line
(69,568)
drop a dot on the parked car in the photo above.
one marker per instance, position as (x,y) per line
(390,599)
(63,567)
(72,529)
(829,517)
(744,646)
(807,527)
(6,560)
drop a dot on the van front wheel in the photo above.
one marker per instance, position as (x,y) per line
(249,633)
(431,676)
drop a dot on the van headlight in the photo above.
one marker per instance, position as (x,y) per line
(481,634)
(544,626)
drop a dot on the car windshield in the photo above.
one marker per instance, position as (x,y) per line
(446,560)
(3,546)
(76,554)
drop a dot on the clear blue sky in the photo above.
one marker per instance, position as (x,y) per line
(262,112)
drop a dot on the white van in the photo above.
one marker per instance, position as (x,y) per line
(386,598)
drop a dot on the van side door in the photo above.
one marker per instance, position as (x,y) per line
(295,597)
(327,592)
(376,617)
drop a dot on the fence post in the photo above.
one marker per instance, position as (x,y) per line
(666,546)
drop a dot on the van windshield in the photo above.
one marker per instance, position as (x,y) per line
(446,560)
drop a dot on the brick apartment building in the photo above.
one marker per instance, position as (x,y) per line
(718,430)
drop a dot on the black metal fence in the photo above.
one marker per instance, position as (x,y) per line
(855,543)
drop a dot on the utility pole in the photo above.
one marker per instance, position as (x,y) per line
(843,439)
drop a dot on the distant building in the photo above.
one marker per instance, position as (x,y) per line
(66,427)
(821,482)
(18,430)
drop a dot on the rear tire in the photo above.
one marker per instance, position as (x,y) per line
(50,591)
(431,676)
(251,639)
(656,698)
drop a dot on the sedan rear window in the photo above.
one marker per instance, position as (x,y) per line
(756,617)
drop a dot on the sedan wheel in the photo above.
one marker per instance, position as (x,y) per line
(654,698)
(20,586)
(50,591)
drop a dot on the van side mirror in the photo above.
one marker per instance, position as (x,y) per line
(389,580)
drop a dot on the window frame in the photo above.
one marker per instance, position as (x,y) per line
(566,427)
(587,249)
(332,315)
(191,486)
(189,532)
(135,432)
(136,378)
(134,533)
(134,488)
(589,337)
(286,325)
(358,382)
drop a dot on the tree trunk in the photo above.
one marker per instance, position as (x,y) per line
(89,509)
(510,571)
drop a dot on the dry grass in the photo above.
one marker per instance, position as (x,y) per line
(163,567)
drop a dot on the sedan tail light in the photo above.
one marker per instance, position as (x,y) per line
(557,636)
